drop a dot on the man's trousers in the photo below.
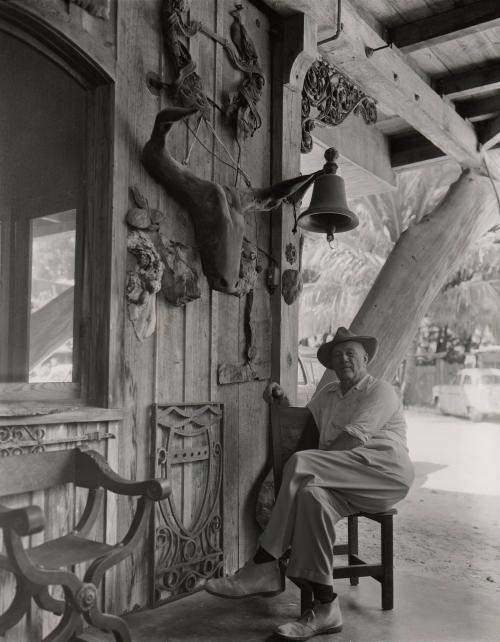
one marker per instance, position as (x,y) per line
(319,488)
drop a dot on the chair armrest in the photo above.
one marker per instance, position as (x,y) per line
(25,521)
(93,471)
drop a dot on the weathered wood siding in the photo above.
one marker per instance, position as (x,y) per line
(178,364)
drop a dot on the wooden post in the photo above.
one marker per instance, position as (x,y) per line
(418,266)
(293,53)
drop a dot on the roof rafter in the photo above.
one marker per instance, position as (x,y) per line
(413,150)
(469,83)
(387,77)
(490,136)
(443,27)
(480,109)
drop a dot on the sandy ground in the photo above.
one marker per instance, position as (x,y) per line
(449,525)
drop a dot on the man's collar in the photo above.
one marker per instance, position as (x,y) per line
(361,385)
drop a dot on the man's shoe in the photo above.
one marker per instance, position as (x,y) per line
(252,579)
(323,618)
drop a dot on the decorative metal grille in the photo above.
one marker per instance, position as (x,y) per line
(328,97)
(188,525)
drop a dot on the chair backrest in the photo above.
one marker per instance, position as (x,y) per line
(287,424)
(26,473)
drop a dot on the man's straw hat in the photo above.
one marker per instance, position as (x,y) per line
(341,336)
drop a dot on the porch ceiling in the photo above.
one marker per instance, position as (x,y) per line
(439,82)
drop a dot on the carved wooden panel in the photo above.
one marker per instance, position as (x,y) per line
(188,546)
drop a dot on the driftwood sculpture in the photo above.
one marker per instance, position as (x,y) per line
(143,282)
(217,211)
(179,282)
(291,281)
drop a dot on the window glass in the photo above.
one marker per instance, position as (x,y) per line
(43,131)
(301,379)
(52,297)
(467,380)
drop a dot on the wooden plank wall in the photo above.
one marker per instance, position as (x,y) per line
(179,362)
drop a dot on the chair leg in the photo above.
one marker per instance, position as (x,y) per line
(108,623)
(352,542)
(18,607)
(69,624)
(386,535)
(45,601)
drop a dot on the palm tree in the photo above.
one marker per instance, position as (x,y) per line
(470,300)
(338,279)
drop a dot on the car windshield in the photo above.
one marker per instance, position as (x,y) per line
(490,379)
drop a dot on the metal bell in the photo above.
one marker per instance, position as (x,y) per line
(328,211)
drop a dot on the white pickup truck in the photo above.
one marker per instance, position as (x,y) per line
(473,393)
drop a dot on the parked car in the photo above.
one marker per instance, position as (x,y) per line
(473,393)
(310,372)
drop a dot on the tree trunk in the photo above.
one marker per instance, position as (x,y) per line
(416,269)
(410,373)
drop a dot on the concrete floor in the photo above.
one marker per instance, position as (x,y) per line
(446,549)
(425,611)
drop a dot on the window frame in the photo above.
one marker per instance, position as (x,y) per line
(95,221)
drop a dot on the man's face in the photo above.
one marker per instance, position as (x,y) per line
(349,361)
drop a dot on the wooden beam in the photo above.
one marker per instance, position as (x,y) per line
(413,150)
(387,77)
(490,136)
(481,109)
(293,52)
(50,327)
(364,161)
(469,83)
(446,26)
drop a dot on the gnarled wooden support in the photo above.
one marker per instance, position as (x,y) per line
(418,266)
(217,211)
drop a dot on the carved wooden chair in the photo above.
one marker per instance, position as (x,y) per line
(48,564)
(287,426)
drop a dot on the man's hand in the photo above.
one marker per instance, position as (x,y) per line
(274,393)
(344,441)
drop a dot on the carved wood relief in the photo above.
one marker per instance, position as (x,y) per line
(26,439)
(187,88)
(188,525)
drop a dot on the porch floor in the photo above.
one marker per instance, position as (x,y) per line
(425,611)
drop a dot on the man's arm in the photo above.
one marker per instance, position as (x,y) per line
(374,412)
(344,441)
(309,440)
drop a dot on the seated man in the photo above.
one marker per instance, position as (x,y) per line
(356,460)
